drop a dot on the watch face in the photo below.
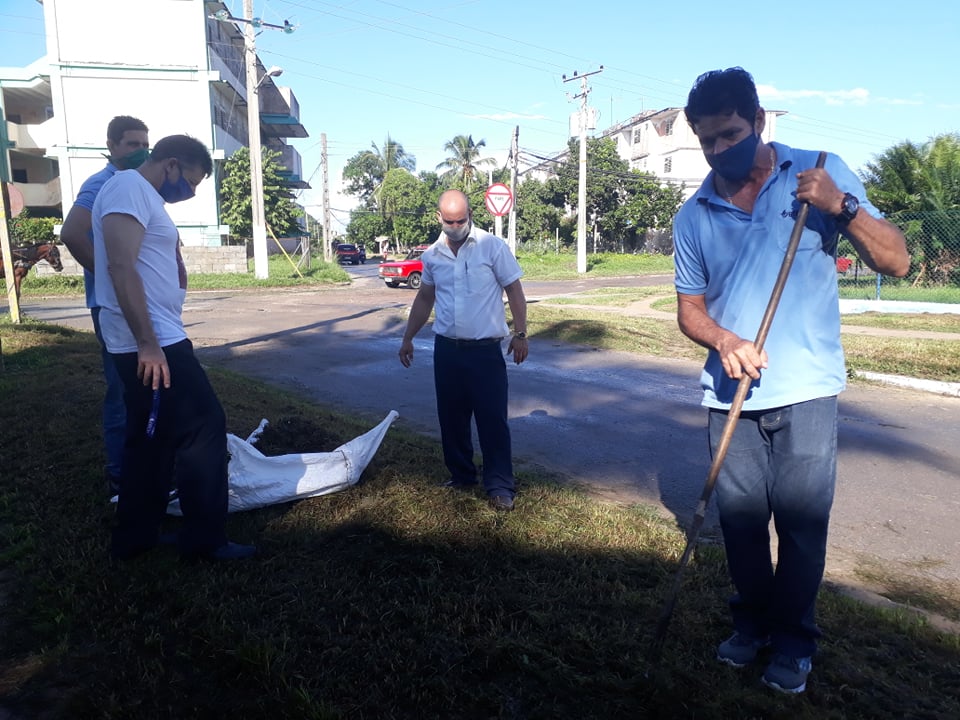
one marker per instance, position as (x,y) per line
(850,204)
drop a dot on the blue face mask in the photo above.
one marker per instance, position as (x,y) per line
(735,162)
(176,192)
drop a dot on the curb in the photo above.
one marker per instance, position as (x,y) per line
(932,386)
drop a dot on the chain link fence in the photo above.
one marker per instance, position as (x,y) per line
(933,242)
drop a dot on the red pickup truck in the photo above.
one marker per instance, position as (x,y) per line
(406,271)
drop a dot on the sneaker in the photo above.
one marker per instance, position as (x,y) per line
(503,503)
(787,674)
(741,649)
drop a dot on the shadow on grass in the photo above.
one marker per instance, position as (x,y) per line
(393,599)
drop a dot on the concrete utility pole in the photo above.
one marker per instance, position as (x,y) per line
(514,151)
(327,244)
(582,184)
(12,299)
(258,221)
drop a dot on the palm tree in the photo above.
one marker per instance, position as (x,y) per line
(464,160)
(393,156)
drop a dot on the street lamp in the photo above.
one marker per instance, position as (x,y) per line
(258,221)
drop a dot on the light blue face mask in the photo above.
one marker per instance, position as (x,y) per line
(176,192)
(735,162)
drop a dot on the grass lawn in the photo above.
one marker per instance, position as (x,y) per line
(392,599)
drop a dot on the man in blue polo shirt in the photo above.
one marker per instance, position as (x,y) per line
(729,242)
(128,145)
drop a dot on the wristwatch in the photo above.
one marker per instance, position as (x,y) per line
(521,335)
(848,209)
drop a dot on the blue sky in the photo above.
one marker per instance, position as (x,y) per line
(854,77)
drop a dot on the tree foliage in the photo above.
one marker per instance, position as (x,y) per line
(364,172)
(918,187)
(462,166)
(280,212)
(624,206)
(27,230)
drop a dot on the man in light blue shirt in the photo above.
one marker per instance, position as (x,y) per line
(128,145)
(730,239)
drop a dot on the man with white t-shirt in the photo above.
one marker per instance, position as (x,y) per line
(173,414)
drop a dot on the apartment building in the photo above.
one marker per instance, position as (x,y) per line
(172,64)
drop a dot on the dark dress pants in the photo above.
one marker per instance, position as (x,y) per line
(190,439)
(471,383)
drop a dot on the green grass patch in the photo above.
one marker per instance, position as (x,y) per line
(392,599)
(892,289)
(610,296)
(559,266)
(925,322)
(605,328)
(279,270)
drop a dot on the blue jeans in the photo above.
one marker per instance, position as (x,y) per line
(114,410)
(781,462)
(471,382)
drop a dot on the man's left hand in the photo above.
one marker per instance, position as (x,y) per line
(518,348)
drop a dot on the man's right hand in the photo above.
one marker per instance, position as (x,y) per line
(406,352)
(152,367)
(740,356)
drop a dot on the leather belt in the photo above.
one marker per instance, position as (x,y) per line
(464,342)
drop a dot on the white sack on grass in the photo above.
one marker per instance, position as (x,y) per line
(256,480)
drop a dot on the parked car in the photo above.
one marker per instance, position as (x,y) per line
(843,264)
(348,252)
(408,270)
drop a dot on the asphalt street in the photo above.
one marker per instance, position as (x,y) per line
(628,428)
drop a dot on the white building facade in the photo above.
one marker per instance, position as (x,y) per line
(166,62)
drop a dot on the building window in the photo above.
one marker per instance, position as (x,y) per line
(667,165)
(636,136)
(19,175)
(668,128)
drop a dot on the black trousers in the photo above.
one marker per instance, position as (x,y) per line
(471,382)
(190,439)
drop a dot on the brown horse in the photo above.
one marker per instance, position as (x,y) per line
(25,258)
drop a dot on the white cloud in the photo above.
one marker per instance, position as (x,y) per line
(508,116)
(855,96)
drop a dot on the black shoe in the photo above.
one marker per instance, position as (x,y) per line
(504,503)
(113,485)
(227,551)
(457,485)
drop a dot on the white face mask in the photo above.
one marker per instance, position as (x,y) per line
(457,234)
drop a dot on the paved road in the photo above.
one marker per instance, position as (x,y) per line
(627,427)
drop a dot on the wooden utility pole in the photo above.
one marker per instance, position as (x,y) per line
(514,152)
(327,230)
(582,184)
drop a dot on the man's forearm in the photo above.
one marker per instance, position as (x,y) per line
(518,306)
(419,314)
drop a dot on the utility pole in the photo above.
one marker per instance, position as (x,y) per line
(258,221)
(12,299)
(327,244)
(582,184)
(514,151)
